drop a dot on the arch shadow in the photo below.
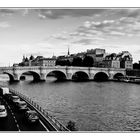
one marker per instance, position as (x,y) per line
(59,75)
(80,76)
(101,76)
(117,76)
(11,77)
(36,76)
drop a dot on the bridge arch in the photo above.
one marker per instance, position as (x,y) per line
(117,75)
(101,76)
(80,76)
(11,77)
(36,76)
(57,74)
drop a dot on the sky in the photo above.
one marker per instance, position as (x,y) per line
(45,32)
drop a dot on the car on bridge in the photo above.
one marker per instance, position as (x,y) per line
(21,105)
(3,111)
(4,90)
(31,116)
(7,96)
(14,98)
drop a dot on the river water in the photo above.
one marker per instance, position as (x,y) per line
(94,106)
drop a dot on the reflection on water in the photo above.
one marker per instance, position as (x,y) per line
(94,106)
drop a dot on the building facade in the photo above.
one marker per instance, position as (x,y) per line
(100,59)
(126,60)
(38,61)
(97,55)
(47,62)
(111,61)
(121,60)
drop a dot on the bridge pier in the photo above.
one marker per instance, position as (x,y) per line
(111,75)
(42,77)
(91,76)
(16,78)
(69,76)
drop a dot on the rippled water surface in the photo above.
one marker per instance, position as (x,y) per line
(94,106)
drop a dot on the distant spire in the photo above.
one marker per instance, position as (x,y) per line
(68,51)
(31,57)
(23,59)
(54,56)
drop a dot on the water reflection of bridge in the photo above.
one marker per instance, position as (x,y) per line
(63,72)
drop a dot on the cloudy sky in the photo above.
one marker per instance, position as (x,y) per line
(48,31)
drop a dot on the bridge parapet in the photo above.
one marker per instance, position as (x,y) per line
(6,68)
(41,72)
(27,68)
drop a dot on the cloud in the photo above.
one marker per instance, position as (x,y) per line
(124,12)
(123,26)
(84,31)
(12,11)
(4,24)
(117,33)
(7,12)
(41,16)
(62,37)
(61,13)
(83,41)
(59,37)
(93,31)
(130,12)
(25,12)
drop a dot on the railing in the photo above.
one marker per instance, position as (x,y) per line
(30,68)
(44,113)
(6,68)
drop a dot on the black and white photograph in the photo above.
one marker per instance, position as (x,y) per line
(69,69)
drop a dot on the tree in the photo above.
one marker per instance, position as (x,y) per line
(68,63)
(71,126)
(88,61)
(26,59)
(77,61)
(58,62)
(63,62)
(31,57)
(136,66)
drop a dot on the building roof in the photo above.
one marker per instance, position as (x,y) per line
(125,55)
(47,59)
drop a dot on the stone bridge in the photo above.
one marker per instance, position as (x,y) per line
(62,72)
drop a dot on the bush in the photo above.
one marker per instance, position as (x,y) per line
(71,126)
